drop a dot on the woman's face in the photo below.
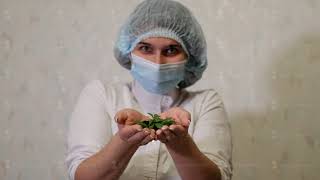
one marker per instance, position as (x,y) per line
(160,50)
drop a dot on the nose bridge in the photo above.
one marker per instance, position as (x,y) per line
(158,57)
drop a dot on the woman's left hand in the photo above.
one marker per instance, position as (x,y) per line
(175,132)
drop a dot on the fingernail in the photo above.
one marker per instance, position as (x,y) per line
(158,132)
(146,132)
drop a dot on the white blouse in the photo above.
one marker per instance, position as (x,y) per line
(92,125)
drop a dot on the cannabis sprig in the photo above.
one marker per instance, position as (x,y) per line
(156,122)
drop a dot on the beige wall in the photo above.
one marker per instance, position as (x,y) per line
(264,59)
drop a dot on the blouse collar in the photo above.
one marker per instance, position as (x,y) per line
(153,103)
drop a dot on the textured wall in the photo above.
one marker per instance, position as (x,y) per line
(264,59)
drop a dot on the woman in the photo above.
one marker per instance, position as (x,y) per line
(163,46)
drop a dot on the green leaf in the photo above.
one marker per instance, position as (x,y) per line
(151,115)
(143,125)
(159,125)
(156,116)
(155,122)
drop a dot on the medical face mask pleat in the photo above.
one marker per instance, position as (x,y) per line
(157,78)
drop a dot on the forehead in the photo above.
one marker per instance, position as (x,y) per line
(160,41)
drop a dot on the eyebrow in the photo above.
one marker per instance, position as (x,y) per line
(170,45)
(144,43)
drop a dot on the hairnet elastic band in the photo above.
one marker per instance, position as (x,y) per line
(159,32)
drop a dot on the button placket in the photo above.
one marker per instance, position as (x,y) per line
(165,103)
(152,151)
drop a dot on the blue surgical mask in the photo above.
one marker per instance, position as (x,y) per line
(157,78)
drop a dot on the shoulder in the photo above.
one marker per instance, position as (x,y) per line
(205,95)
(106,90)
(101,86)
(94,89)
(94,86)
(205,100)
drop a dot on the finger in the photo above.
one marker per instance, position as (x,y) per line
(178,130)
(167,114)
(153,133)
(163,115)
(173,113)
(138,137)
(121,117)
(145,118)
(149,138)
(132,116)
(160,136)
(120,126)
(185,118)
(145,141)
(168,134)
(177,119)
(170,114)
(158,131)
(129,131)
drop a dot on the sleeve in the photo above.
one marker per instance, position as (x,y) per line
(89,126)
(212,133)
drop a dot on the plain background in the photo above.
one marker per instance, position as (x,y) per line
(264,59)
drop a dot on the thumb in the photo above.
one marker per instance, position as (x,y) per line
(121,117)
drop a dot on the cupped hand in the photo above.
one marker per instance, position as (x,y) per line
(128,116)
(135,135)
(131,132)
(175,132)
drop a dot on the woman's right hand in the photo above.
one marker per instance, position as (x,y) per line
(131,132)
(128,116)
(135,135)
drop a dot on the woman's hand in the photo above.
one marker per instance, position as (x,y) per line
(129,131)
(129,116)
(174,134)
(135,135)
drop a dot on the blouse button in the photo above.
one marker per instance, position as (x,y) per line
(166,101)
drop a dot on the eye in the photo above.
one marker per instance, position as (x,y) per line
(171,51)
(145,49)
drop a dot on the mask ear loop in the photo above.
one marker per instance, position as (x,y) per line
(130,58)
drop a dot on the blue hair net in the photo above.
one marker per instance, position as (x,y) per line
(169,19)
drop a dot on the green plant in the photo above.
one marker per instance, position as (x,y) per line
(155,122)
